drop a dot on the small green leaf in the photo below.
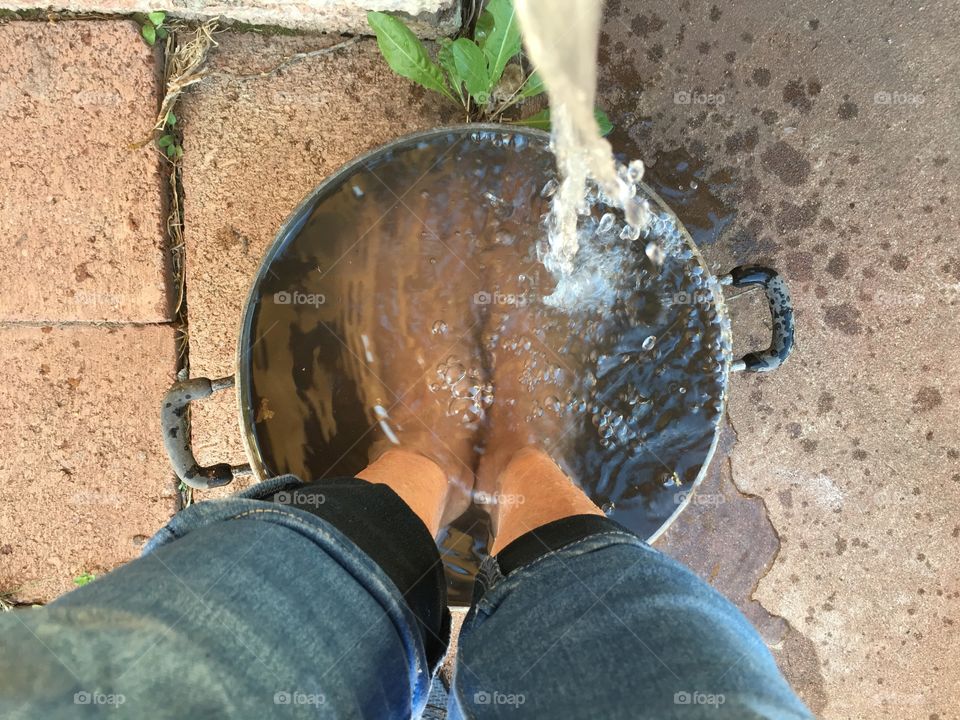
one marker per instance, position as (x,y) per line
(445,58)
(171,119)
(540,120)
(157,17)
(171,151)
(503,41)
(166,141)
(603,121)
(149,33)
(84,579)
(483,27)
(471,65)
(405,54)
(162,33)
(179,151)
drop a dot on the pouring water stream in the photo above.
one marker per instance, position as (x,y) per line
(561,38)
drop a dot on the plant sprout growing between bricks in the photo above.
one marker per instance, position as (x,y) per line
(485,75)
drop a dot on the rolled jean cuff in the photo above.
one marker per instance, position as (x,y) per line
(372,518)
(540,542)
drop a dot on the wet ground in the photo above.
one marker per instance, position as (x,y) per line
(823,142)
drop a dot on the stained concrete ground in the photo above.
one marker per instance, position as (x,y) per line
(823,141)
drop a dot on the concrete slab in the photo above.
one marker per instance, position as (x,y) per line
(81,214)
(427,18)
(83,478)
(254,147)
(833,156)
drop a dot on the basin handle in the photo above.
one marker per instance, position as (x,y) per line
(174,421)
(781,313)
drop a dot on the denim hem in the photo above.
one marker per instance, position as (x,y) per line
(328,539)
(492,585)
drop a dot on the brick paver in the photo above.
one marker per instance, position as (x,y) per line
(83,478)
(80,213)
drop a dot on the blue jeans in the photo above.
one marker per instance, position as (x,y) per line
(245,608)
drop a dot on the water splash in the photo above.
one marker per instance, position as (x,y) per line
(566,61)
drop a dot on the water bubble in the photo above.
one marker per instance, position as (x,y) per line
(357,191)
(629,233)
(635,171)
(608,508)
(453,373)
(439,328)
(549,189)
(649,342)
(606,223)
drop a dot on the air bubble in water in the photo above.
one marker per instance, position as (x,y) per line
(439,328)
(608,508)
(649,342)
(453,372)
(606,223)
(635,171)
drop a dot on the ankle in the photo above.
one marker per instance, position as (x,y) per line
(534,491)
(416,478)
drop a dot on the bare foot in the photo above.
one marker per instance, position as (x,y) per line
(533,423)
(422,387)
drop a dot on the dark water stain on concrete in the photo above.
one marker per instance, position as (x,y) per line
(825,403)
(644,25)
(742,142)
(926,399)
(847,110)
(899,262)
(838,265)
(798,266)
(843,317)
(696,195)
(795,95)
(709,538)
(792,217)
(761,76)
(786,163)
